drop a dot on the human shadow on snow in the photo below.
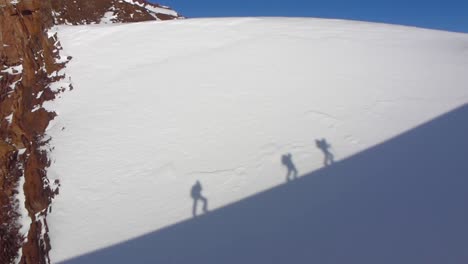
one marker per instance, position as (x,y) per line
(195,192)
(404,201)
(292,173)
(324,146)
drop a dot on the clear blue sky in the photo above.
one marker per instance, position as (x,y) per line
(449,15)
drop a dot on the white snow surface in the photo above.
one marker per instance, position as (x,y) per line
(9,118)
(24,220)
(108,17)
(160,105)
(14,70)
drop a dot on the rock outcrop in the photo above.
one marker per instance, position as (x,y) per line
(29,64)
(31,74)
(109,11)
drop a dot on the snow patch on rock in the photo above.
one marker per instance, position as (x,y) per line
(158,10)
(24,219)
(108,18)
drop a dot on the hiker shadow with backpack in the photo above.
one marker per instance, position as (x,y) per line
(324,146)
(196,195)
(288,163)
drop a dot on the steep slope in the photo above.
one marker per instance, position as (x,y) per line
(362,210)
(109,11)
(160,106)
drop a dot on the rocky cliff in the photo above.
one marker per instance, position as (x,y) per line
(29,64)
(30,75)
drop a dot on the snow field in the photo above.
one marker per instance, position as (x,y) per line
(159,105)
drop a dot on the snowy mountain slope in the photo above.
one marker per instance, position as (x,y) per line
(402,201)
(158,106)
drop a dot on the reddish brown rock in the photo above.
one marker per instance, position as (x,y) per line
(93,11)
(28,58)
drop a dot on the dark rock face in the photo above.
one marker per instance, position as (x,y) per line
(30,63)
